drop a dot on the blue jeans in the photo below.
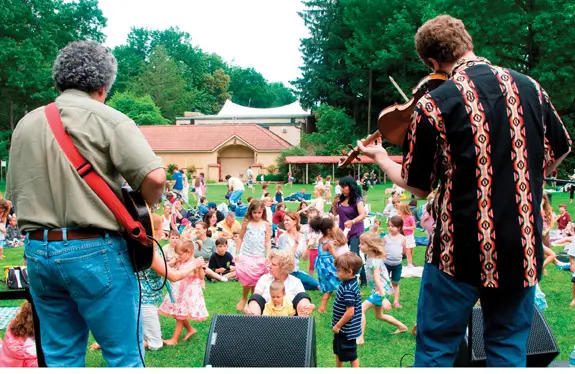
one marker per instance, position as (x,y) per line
(309,282)
(80,286)
(443,312)
(235,197)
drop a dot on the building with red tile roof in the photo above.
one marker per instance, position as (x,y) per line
(216,150)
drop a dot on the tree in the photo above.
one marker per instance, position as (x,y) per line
(296,168)
(142,110)
(31,34)
(163,80)
(334,131)
(536,38)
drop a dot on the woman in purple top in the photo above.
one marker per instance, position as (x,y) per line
(351,213)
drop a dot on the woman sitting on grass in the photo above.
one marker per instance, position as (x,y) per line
(281,265)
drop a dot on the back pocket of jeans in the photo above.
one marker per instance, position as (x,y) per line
(86,276)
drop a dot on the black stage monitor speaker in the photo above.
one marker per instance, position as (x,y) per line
(541,345)
(260,341)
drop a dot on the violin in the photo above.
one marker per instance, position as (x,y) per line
(394,120)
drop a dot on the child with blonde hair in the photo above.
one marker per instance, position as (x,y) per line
(255,239)
(372,245)
(327,187)
(408,229)
(187,293)
(324,263)
(317,203)
(340,241)
(278,305)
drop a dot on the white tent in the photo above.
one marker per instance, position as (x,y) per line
(234,110)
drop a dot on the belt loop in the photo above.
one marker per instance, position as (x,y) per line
(65,235)
(107,236)
(27,239)
(45,237)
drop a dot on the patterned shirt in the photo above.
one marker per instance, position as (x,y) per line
(348,295)
(485,136)
(370,266)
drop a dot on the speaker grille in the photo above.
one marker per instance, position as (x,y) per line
(541,345)
(260,341)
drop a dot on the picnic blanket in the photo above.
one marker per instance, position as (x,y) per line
(414,272)
(7,314)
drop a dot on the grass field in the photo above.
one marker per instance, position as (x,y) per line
(381,349)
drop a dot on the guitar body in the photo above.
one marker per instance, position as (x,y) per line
(141,254)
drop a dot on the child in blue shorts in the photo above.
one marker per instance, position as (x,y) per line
(378,280)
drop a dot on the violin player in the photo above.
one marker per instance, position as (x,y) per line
(487,137)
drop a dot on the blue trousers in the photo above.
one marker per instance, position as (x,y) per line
(309,282)
(443,312)
(235,197)
(85,285)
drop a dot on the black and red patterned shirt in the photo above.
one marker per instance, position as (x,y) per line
(485,136)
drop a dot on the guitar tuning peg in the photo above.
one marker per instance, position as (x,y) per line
(344,152)
(350,146)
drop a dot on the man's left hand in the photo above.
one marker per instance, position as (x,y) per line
(376,152)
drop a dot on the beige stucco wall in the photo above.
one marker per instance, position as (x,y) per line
(234,159)
(267,158)
(292,134)
(200,160)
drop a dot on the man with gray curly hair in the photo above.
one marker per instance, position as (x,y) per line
(81,277)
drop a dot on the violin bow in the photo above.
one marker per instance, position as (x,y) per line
(398,88)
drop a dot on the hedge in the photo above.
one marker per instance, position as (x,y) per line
(271,177)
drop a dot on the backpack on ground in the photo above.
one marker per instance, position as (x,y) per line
(17,278)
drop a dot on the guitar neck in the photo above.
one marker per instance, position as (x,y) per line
(354,152)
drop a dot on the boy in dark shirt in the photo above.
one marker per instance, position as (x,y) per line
(222,262)
(346,320)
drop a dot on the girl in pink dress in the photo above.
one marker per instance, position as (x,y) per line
(187,293)
(408,231)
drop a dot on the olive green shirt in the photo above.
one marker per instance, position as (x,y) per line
(44,186)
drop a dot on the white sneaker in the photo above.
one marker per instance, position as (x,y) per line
(224,279)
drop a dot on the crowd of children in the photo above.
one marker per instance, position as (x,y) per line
(219,248)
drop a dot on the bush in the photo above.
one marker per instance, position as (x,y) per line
(171,168)
(271,178)
(272,168)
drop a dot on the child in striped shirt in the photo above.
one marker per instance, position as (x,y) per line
(346,320)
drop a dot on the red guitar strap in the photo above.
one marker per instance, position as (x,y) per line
(92,178)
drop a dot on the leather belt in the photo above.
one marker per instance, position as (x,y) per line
(73,234)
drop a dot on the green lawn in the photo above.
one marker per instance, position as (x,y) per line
(381,349)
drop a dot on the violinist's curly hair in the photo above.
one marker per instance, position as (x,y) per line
(443,38)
